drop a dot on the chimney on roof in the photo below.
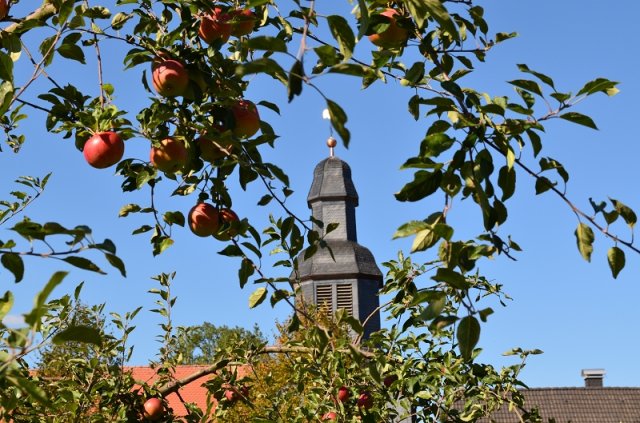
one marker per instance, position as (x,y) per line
(593,377)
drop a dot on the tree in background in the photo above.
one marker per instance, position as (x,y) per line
(199,344)
(197,61)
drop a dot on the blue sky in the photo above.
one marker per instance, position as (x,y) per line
(571,309)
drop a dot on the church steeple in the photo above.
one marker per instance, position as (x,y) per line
(353,279)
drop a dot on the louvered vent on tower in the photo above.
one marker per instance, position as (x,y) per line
(345,297)
(324,298)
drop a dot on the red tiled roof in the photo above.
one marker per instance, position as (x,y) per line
(193,392)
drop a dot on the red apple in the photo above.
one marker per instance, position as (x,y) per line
(343,394)
(170,156)
(388,381)
(365,400)
(215,27)
(330,416)
(242,22)
(211,150)
(204,219)
(169,77)
(231,395)
(246,117)
(103,149)
(153,409)
(4,8)
(393,36)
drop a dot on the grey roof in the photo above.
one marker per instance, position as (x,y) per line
(578,405)
(352,260)
(332,181)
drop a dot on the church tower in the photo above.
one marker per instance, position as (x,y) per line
(352,280)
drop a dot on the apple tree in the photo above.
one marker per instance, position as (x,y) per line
(196,60)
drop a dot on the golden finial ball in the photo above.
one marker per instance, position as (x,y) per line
(331,142)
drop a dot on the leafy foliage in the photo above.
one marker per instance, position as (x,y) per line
(476,146)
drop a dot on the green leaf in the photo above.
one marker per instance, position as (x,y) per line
(579,118)
(33,318)
(507,182)
(411,228)
(616,259)
(527,85)
(584,239)
(6,95)
(84,334)
(435,144)
(119,20)
(267,43)
(263,65)
(437,10)
(174,218)
(161,244)
(424,184)
(341,31)
(247,269)
(544,78)
(599,85)
(435,307)
(83,263)
(338,120)
(13,263)
(626,212)
(26,385)
(6,67)
(116,262)
(6,303)
(451,278)
(72,51)
(327,55)
(468,335)
(257,297)
(294,83)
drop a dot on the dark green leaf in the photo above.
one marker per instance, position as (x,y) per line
(294,83)
(267,43)
(72,51)
(527,85)
(424,184)
(579,118)
(451,278)
(246,271)
(6,67)
(341,31)
(116,262)
(13,263)
(84,334)
(83,263)
(544,78)
(338,120)
(599,85)
(626,212)
(507,182)
(468,335)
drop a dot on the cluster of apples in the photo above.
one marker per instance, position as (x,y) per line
(206,220)
(364,401)
(170,78)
